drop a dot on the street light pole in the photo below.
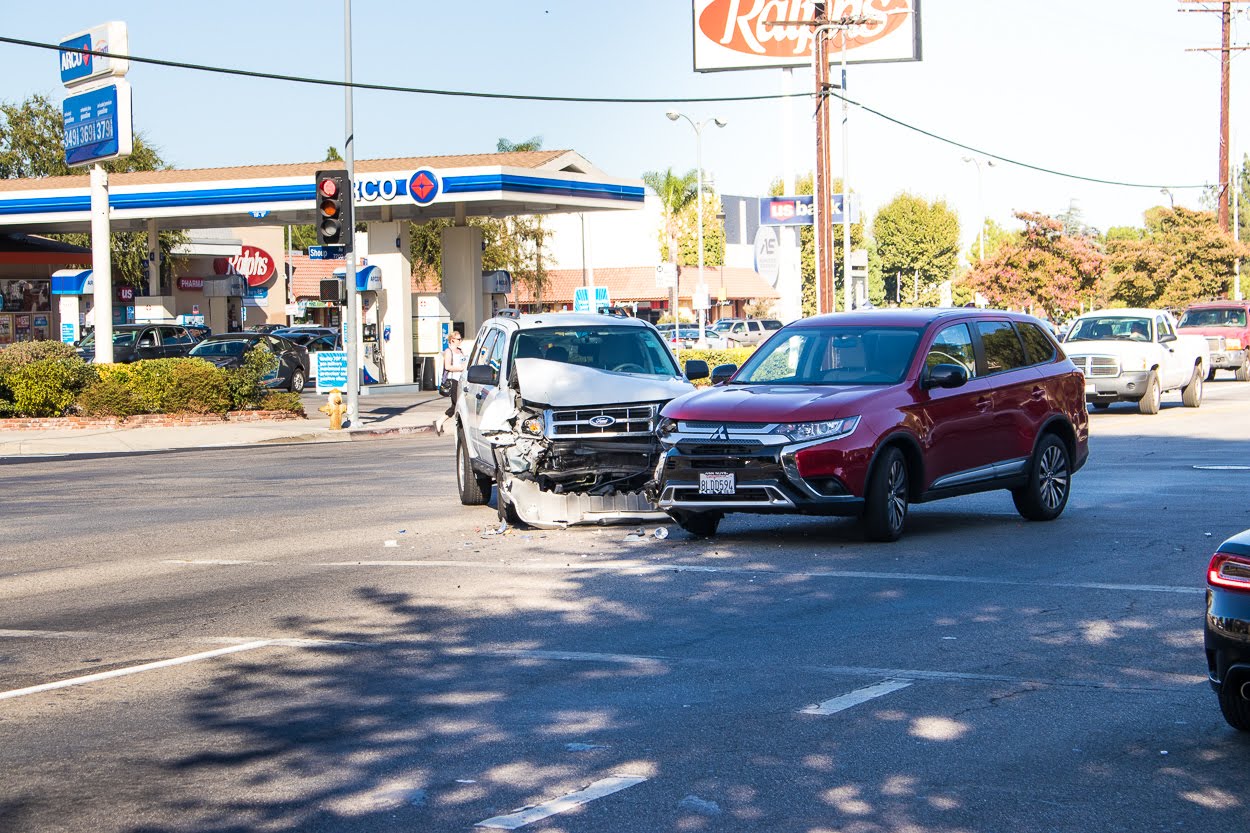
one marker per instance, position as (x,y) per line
(673,115)
(351,334)
(980,204)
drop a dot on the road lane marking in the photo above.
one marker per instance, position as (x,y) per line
(648,568)
(600,788)
(135,669)
(854,698)
(16,633)
(214,562)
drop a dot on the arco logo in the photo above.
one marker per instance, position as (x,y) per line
(424,186)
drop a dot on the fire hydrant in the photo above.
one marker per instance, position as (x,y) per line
(335,408)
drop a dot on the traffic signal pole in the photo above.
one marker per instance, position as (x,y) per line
(350,332)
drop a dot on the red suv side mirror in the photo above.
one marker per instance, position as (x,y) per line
(945,376)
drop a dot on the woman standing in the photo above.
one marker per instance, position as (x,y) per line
(453,365)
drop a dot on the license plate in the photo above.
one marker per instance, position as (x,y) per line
(1089,388)
(716,483)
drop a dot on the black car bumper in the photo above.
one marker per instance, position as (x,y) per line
(1227,637)
(766,480)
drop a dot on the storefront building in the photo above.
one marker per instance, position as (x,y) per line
(28,310)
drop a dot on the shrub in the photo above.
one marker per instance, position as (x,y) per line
(275,401)
(110,395)
(45,387)
(245,383)
(733,355)
(25,352)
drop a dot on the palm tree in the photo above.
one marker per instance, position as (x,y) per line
(675,193)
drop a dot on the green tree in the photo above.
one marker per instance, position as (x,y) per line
(1181,256)
(918,242)
(713,232)
(676,193)
(995,237)
(1044,268)
(32,146)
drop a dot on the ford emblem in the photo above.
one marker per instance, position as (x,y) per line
(602,421)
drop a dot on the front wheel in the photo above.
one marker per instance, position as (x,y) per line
(474,489)
(699,524)
(1050,480)
(885,510)
(297,381)
(1211,375)
(1243,372)
(1191,394)
(1149,404)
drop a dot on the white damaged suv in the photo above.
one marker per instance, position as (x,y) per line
(559,411)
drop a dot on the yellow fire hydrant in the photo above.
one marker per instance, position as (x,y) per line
(335,408)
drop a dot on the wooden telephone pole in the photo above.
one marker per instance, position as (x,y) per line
(1225,49)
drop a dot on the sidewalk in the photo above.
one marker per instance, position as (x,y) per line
(381,415)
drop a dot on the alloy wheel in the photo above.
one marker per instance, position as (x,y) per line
(1052,475)
(897,495)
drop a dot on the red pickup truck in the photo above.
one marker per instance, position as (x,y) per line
(1226,327)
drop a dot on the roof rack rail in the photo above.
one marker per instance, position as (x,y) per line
(509,313)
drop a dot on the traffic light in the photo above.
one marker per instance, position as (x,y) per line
(334,209)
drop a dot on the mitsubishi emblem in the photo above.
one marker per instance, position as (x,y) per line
(721,433)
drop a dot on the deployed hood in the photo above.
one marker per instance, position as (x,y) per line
(773,403)
(564,385)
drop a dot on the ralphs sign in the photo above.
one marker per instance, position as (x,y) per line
(743,34)
(80,67)
(257,265)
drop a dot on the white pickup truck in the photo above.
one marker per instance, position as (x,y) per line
(1136,355)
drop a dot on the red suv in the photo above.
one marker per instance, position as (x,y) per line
(862,414)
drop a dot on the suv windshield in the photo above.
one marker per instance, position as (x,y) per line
(619,349)
(724,325)
(1110,328)
(833,356)
(1228,317)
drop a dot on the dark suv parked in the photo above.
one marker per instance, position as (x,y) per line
(132,342)
(862,414)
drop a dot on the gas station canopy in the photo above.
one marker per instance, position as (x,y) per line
(416,189)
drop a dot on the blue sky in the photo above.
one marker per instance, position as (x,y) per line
(1100,89)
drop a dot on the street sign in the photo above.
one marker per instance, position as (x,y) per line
(331,370)
(666,276)
(78,68)
(331,252)
(98,125)
(581,299)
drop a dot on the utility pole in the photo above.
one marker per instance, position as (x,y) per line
(1225,50)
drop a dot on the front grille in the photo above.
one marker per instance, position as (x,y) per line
(1215,343)
(628,420)
(1097,366)
(701,426)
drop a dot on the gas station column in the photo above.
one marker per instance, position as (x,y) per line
(388,250)
(462,278)
(154,259)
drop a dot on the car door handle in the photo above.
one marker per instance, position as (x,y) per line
(1038,393)
(984,403)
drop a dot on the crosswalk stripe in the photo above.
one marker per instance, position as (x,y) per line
(600,788)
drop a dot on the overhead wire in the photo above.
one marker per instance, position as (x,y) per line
(360,85)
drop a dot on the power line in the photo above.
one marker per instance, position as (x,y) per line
(326,82)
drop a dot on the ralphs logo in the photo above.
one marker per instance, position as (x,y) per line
(257,265)
(746,26)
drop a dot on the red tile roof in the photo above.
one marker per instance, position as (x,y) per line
(637,283)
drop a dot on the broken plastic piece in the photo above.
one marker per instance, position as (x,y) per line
(499,530)
(660,533)
(390,543)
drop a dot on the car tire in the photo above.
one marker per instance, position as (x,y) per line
(1191,394)
(298,379)
(885,509)
(1045,495)
(1234,707)
(505,508)
(1150,403)
(1101,406)
(699,524)
(474,489)
(1243,372)
(1211,375)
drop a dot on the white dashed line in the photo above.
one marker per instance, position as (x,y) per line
(854,698)
(599,789)
(136,669)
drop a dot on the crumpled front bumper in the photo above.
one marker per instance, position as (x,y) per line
(549,510)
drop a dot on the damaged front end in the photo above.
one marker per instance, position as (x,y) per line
(562,465)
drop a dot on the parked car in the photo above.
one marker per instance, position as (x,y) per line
(743,332)
(866,413)
(134,342)
(1226,327)
(229,350)
(265,328)
(559,412)
(1226,633)
(683,337)
(1135,355)
(313,343)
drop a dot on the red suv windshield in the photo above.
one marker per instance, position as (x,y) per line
(832,356)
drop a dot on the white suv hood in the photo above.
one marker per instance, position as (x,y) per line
(563,385)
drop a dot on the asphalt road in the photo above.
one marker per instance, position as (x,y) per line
(319,637)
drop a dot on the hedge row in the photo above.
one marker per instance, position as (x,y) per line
(732,355)
(49,379)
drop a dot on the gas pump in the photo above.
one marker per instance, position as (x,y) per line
(371,300)
(497,286)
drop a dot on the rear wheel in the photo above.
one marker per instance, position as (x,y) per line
(885,511)
(1149,404)
(474,488)
(1211,375)
(1191,394)
(1243,372)
(297,380)
(699,524)
(1050,480)
(1234,707)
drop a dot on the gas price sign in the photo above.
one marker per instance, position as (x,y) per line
(97,124)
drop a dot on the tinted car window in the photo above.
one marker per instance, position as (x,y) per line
(770,324)
(833,356)
(953,346)
(1003,350)
(1038,347)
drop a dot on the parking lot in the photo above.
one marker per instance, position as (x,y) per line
(322,638)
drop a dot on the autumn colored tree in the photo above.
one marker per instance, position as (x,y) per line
(918,242)
(1181,256)
(1044,269)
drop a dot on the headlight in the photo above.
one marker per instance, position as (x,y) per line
(533,426)
(1232,343)
(666,426)
(827,430)
(1136,363)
